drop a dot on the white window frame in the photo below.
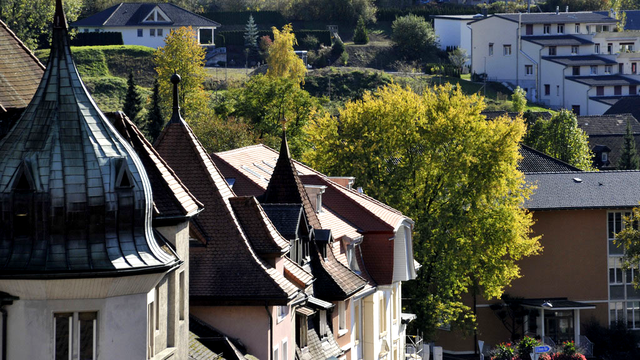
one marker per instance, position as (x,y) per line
(140,32)
(560,28)
(596,48)
(506,50)
(285,349)
(593,70)
(546,28)
(276,353)
(490,49)
(607,69)
(283,311)
(528,69)
(342,318)
(575,49)
(75,333)
(160,32)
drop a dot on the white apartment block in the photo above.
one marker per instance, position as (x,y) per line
(570,60)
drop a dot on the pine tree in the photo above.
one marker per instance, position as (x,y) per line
(133,101)
(361,36)
(629,156)
(155,122)
(251,37)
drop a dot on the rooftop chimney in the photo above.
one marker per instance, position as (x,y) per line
(567,9)
(557,10)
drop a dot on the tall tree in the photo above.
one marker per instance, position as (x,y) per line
(629,156)
(561,138)
(412,36)
(282,59)
(133,101)
(361,36)
(251,38)
(435,158)
(155,121)
(519,100)
(183,55)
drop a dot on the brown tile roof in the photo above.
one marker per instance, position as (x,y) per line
(263,236)
(285,186)
(171,198)
(296,273)
(20,71)
(245,165)
(334,281)
(227,269)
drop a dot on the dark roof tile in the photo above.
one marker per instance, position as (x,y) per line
(535,161)
(133,14)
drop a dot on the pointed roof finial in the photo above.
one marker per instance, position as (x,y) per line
(176,117)
(284,146)
(59,19)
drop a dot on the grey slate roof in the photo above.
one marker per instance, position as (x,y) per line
(133,14)
(560,18)
(608,124)
(608,100)
(584,190)
(556,40)
(65,212)
(534,161)
(580,60)
(614,142)
(627,104)
(603,80)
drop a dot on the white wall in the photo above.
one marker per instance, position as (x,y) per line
(552,73)
(500,32)
(576,94)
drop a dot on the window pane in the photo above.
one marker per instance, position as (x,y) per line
(63,328)
(616,292)
(86,323)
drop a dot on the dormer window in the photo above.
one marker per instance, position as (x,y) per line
(23,189)
(352,259)
(156,16)
(605,157)
(124,180)
(319,203)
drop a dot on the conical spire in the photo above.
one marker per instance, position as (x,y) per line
(88,202)
(285,186)
(175,116)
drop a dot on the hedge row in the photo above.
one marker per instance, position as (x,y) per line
(227,38)
(272,18)
(390,14)
(97,39)
(442,69)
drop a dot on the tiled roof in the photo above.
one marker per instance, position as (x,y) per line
(608,124)
(615,144)
(603,80)
(535,161)
(339,226)
(285,217)
(560,18)
(133,14)
(296,274)
(607,100)
(264,237)
(227,269)
(584,190)
(20,71)
(171,198)
(556,40)
(632,19)
(208,343)
(334,281)
(361,210)
(580,60)
(627,104)
(285,186)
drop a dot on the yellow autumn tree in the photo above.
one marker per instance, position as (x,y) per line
(438,160)
(282,59)
(182,54)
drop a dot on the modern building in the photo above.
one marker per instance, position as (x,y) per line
(453,31)
(570,60)
(371,238)
(147,24)
(93,266)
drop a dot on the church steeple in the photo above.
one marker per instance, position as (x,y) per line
(85,206)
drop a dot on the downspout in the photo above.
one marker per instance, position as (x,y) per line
(4,332)
(518,45)
(471,70)
(266,307)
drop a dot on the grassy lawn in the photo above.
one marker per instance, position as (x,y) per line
(232,74)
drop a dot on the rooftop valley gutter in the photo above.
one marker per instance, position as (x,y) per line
(266,307)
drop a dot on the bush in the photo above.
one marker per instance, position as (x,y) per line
(97,39)
(337,49)
(236,37)
(503,352)
(441,69)
(310,42)
(612,343)
(525,347)
(361,37)
(412,37)
(344,59)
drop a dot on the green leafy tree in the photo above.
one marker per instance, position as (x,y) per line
(133,101)
(282,59)
(436,159)
(155,121)
(629,156)
(412,36)
(519,100)
(361,36)
(561,138)
(337,49)
(251,37)
(265,102)
(183,55)
(458,57)
(31,20)
(629,239)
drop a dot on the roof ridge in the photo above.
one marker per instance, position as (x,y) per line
(241,149)
(193,13)
(117,7)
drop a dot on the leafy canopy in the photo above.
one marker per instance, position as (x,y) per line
(282,59)
(561,138)
(183,55)
(412,36)
(519,100)
(436,159)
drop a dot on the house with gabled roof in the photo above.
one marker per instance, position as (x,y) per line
(93,266)
(147,24)
(578,215)
(606,136)
(371,238)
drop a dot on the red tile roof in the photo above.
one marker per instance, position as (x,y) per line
(227,269)
(171,197)
(20,71)
(296,273)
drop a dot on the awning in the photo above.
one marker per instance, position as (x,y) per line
(556,304)
(319,304)
(406,318)
(303,310)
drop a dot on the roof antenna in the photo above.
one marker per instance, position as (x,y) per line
(176,117)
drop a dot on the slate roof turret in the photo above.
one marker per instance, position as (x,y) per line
(75,198)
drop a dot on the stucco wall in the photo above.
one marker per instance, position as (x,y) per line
(497,66)
(130,34)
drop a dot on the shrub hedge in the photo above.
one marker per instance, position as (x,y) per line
(97,39)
